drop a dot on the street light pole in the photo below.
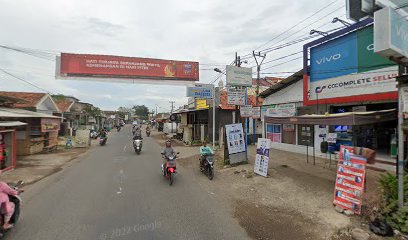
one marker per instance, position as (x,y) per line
(258,78)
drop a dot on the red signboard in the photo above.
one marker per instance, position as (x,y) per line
(105,66)
(350,181)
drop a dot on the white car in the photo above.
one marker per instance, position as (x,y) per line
(134,123)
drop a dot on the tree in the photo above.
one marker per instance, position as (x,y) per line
(122,111)
(142,111)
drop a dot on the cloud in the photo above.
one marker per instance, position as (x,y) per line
(206,31)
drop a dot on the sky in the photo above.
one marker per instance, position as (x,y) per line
(209,32)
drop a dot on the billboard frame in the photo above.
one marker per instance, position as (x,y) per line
(346,99)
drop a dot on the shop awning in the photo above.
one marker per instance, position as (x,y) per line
(349,119)
(12,124)
(22,113)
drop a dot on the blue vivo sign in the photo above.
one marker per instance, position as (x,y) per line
(335,58)
(199,92)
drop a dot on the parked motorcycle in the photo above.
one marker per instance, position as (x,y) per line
(208,166)
(17,206)
(94,134)
(169,169)
(102,140)
(137,145)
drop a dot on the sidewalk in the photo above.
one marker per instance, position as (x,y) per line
(35,167)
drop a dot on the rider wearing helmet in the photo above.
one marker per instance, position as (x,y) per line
(167,151)
(204,150)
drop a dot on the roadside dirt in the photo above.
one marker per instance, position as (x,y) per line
(293,202)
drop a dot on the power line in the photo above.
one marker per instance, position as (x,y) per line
(294,26)
(23,80)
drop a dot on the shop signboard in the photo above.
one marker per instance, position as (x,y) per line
(236,96)
(281,110)
(106,67)
(50,124)
(235,138)
(246,111)
(203,92)
(391,33)
(350,180)
(239,76)
(262,156)
(201,104)
(256,112)
(346,68)
(404,95)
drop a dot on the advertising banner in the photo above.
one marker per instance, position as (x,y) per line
(201,104)
(50,124)
(235,138)
(200,92)
(239,76)
(246,111)
(256,112)
(281,110)
(236,97)
(106,66)
(262,156)
(348,66)
(350,181)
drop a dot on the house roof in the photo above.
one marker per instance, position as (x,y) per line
(28,99)
(64,105)
(224,101)
(22,113)
(267,81)
(282,84)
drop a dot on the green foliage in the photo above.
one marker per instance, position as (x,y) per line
(394,216)
(93,111)
(142,111)
(58,97)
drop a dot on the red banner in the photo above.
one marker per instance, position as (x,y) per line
(105,66)
(350,180)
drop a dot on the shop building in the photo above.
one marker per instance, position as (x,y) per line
(341,75)
(38,134)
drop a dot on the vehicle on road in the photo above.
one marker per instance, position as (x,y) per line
(16,199)
(102,140)
(207,166)
(118,128)
(137,145)
(148,132)
(169,168)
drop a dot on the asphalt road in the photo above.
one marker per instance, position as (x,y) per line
(112,193)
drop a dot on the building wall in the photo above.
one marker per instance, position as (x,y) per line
(293,93)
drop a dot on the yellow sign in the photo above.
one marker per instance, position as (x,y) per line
(201,104)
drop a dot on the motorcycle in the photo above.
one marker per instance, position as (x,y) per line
(208,166)
(17,206)
(94,134)
(148,133)
(137,145)
(118,128)
(102,140)
(169,169)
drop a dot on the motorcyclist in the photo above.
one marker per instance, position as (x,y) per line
(7,207)
(102,133)
(204,150)
(166,152)
(137,134)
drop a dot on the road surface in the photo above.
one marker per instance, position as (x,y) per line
(111,193)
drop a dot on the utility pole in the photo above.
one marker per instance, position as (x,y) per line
(258,78)
(172,105)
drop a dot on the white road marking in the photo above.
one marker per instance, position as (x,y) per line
(124,148)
